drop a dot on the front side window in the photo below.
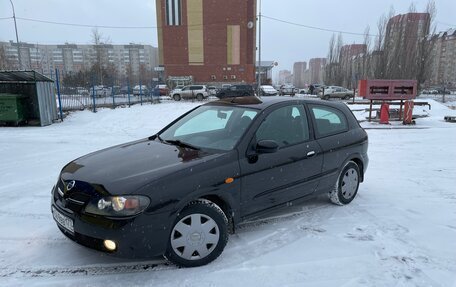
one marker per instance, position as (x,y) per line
(286,126)
(328,120)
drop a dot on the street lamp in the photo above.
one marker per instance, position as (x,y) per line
(17,37)
(259,53)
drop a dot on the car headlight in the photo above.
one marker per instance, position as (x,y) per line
(125,205)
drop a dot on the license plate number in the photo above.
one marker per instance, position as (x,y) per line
(63,220)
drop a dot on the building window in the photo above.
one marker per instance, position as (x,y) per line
(233,77)
(213,77)
(225,77)
(173,12)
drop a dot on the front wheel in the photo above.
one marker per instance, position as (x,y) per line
(347,185)
(198,236)
(177,97)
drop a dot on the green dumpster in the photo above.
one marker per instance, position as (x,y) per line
(13,108)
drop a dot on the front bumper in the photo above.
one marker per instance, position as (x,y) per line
(141,236)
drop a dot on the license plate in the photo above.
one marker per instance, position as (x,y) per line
(63,220)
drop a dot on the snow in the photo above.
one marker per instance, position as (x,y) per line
(399,231)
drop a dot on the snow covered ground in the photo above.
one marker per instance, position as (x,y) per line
(399,231)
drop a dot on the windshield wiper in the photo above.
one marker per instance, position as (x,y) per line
(182,144)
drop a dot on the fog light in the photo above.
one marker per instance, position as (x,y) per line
(110,245)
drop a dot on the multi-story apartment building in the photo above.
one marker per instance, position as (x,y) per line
(404,34)
(210,41)
(285,77)
(128,60)
(444,59)
(316,70)
(299,69)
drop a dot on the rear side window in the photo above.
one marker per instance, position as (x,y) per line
(328,121)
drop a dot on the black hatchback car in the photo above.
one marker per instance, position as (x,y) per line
(236,91)
(181,191)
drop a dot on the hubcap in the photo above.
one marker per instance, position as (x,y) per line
(195,236)
(349,183)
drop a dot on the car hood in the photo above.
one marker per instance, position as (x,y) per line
(125,168)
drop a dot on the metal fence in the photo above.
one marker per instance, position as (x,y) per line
(71,102)
(439,97)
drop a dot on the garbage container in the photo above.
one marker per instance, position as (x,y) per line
(13,108)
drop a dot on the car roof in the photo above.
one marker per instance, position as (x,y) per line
(265,102)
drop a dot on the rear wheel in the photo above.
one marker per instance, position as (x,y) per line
(326,97)
(347,185)
(347,97)
(199,97)
(177,97)
(198,236)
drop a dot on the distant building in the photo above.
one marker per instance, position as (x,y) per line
(347,52)
(316,70)
(299,69)
(72,58)
(403,35)
(211,41)
(444,59)
(285,77)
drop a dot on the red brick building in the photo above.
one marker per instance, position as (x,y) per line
(210,40)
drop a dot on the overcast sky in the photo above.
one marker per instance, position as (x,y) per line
(284,43)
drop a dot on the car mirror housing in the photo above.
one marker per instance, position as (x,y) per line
(267,146)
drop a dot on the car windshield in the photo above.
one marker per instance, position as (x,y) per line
(210,127)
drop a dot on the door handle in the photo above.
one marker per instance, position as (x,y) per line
(310,153)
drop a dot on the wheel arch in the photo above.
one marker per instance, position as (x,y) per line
(224,206)
(360,164)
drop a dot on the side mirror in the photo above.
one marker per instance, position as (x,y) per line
(267,146)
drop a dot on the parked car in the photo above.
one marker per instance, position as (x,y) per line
(181,191)
(236,91)
(82,91)
(331,92)
(164,90)
(266,90)
(287,90)
(101,91)
(125,90)
(429,92)
(317,88)
(140,90)
(212,90)
(198,92)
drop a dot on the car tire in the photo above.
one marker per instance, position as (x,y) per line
(347,97)
(347,185)
(326,97)
(199,97)
(198,235)
(177,97)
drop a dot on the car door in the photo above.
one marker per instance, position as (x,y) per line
(331,131)
(272,179)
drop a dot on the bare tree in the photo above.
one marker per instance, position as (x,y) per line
(333,67)
(101,55)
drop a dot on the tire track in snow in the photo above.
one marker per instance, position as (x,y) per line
(402,259)
(105,269)
(300,224)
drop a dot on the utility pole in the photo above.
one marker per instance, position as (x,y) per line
(259,53)
(17,38)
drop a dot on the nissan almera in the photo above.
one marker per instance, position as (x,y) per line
(180,192)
